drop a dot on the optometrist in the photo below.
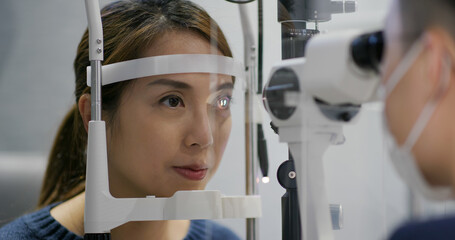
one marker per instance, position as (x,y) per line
(419,104)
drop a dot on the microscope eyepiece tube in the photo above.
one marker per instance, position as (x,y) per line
(283,81)
(367,50)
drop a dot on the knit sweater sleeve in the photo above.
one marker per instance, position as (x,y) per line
(41,225)
(36,226)
(209,230)
(16,230)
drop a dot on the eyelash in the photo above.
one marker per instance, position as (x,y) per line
(224,97)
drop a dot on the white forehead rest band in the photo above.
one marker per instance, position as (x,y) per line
(169,64)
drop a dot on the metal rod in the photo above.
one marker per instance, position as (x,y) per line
(252,229)
(260,46)
(251,163)
(96,90)
(96,55)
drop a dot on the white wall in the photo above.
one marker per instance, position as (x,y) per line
(38,41)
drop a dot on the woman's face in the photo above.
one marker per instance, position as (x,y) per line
(170,131)
(406,102)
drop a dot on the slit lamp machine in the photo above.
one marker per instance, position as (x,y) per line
(307,105)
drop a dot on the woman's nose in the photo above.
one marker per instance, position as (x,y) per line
(200,129)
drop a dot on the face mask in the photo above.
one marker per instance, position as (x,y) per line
(402,156)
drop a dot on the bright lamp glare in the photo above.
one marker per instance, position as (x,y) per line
(265,179)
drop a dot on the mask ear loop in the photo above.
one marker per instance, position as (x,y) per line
(430,107)
(403,66)
(447,64)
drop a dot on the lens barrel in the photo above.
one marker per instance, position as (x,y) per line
(367,50)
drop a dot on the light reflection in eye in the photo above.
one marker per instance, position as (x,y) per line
(223,103)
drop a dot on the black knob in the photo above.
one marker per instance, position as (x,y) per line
(286,175)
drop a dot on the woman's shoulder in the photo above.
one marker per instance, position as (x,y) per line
(441,229)
(207,229)
(37,225)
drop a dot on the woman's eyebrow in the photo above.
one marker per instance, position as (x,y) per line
(171,83)
(227,85)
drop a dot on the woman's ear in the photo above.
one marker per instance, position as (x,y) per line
(434,45)
(85,109)
(451,51)
(436,51)
(440,47)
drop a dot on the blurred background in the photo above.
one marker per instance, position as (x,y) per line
(38,41)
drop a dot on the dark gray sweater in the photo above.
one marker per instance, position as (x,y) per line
(41,225)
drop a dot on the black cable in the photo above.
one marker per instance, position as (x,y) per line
(240,1)
(262,144)
(262,151)
(97,236)
(260,45)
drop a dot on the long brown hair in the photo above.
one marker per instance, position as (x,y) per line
(129,27)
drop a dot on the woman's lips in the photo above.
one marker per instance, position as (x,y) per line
(192,173)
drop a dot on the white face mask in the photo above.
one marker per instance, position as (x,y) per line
(402,156)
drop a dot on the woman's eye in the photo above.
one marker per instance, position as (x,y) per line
(172,101)
(223,103)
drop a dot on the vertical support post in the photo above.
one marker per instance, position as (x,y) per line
(252,230)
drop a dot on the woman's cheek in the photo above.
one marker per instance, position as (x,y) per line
(224,135)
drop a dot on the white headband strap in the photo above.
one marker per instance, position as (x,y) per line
(169,64)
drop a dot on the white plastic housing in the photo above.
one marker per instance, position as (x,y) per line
(95,27)
(330,73)
(308,133)
(169,64)
(103,212)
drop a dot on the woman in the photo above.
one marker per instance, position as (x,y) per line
(163,135)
